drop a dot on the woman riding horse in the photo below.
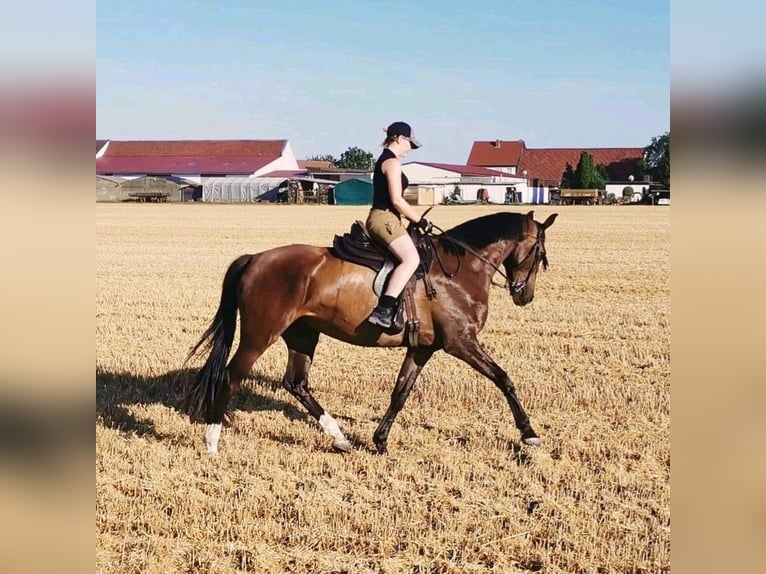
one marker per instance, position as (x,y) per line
(297,292)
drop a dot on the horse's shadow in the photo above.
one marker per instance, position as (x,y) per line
(118,393)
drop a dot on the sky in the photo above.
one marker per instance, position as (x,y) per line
(331,75)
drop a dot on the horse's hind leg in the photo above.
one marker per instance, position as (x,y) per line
(471,352)
(237,369)
(301,342)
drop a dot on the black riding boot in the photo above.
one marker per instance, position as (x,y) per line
(383,314)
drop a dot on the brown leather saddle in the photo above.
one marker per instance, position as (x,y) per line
(358,247)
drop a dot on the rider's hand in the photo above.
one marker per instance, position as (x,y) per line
(424,225)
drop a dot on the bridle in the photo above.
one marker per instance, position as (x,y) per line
(515,286)
(536,250)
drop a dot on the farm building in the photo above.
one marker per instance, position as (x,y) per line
(432,183)
(210,170)
(340,175)
(628,191)
(146,188)
(355,191)
(312,165)
(242,189)
(542,168)
(108,189)
(194,160)
(160,188)
(278,186)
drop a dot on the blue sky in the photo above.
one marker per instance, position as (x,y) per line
(330,75)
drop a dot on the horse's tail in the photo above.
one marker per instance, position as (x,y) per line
(218,339)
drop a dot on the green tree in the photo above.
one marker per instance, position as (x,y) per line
(656,159)
(355,158)
(568,178)
(586,175)
(601,169)
(323,157)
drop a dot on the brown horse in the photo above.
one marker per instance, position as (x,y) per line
(297,292)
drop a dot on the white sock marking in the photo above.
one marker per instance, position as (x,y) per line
(212,434)
(330,427)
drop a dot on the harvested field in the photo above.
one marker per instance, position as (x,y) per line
(590,358)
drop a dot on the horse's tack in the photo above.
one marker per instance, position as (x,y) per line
(358,247)
(382,276)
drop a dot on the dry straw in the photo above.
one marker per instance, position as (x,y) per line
(457,493)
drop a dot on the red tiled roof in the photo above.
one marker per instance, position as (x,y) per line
(496,153)
(210,148)
(548,164)
(231,157)
(181,165)
(315,164)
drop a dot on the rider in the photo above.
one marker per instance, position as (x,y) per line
(384,222)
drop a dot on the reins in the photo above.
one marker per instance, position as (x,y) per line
(514,285)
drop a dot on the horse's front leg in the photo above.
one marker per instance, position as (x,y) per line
(413,364)
(471,352)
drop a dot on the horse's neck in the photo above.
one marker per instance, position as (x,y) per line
(498,252)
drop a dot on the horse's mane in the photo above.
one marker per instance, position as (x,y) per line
(483,231)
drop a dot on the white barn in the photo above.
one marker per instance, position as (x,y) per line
(473,182)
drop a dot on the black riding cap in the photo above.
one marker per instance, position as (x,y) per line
(403,129)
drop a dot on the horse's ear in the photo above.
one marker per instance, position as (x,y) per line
(548,222)
(531,215)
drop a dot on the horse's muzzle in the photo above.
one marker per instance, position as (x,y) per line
(522,297)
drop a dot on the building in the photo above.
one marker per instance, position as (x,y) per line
(207,170)
(195,160)
(356,191)
(313,165)
(542,168)
(432,183)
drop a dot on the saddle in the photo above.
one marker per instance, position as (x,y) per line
(357,246)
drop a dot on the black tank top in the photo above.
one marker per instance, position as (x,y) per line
(381,198)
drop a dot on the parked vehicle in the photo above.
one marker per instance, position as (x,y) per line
(579,196)
(656,197)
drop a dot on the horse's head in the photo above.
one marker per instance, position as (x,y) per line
(524,259)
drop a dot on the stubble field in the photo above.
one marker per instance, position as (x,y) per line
(457,492)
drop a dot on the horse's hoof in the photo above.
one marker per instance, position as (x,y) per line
(531,441)
(212,434)
(380,446)
(341,445)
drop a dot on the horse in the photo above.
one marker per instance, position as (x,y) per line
(297,292)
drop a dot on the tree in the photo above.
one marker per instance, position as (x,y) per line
(568,178)
(323,157)
(656,159)
(355,158)
(586,175)
(603,174)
